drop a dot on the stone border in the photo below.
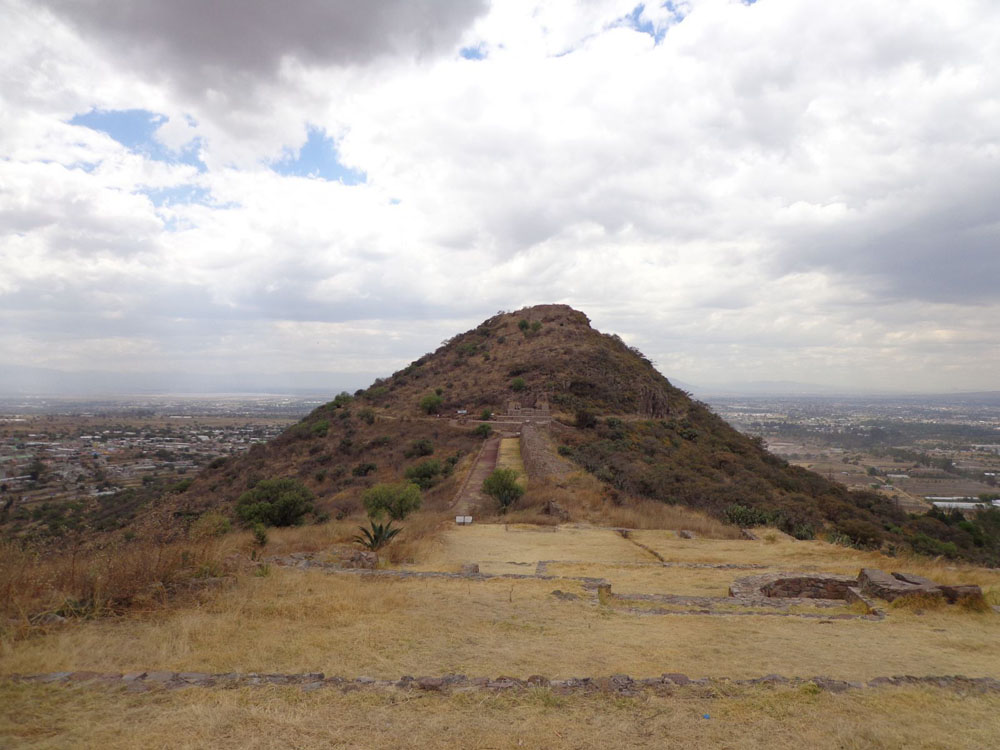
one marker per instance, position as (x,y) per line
(140,682)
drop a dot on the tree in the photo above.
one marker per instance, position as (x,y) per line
(275,502)
(502,486)
(431,403)
(483,430)
(394,500)
(518,384)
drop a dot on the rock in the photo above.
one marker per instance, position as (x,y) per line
(504,683)
(830,685)
(84,676)
(161,677)
(470,569)
(133,676)
(675,678)
(430,683)
(312,686)
(749,535)
(360,559)
(537,680)
(565,595)
(954,593)
(50,619)
(884,586)
(365,680)
(685,534)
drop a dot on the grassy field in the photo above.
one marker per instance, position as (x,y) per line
(51,717)
(310,620)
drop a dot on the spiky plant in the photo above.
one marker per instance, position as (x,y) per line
(376,537)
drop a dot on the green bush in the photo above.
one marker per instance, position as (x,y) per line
(486,415)
(425,473)
(524,325)
(364,469)
(742,516)
(585,419)
(483,430)
(518,384)
(275,502)
(367,415)
(419,448)
(320,428)
(502,486)
(431,403)
(396,500)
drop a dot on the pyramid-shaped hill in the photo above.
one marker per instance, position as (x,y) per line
(603,423)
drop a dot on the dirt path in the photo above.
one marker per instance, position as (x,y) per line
(471,495)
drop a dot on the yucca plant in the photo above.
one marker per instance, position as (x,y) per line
(376,537)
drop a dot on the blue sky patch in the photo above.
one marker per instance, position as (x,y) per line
(178,195)
(473,53)
(318,157)
(135,129)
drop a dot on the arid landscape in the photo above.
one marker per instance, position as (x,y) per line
(654,576)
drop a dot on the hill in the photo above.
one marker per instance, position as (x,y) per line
(599,405)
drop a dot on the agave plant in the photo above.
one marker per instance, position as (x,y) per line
(376,537)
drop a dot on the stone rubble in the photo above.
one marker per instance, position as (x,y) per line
(619,684)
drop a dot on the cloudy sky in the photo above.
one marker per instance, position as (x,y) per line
(315,192)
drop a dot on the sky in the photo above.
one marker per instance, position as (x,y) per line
(312,193)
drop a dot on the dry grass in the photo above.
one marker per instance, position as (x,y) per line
(509,456)
(293,621)
(786,554)
(492,544)
(90,583)
(40,717)
(653,578)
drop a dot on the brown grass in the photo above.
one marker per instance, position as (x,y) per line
(293,621)
(38,717)
(91,583)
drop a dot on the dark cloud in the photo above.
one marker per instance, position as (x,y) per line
(223,42)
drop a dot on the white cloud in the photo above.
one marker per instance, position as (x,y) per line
(786,190)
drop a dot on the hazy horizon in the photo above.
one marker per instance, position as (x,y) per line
(252,193)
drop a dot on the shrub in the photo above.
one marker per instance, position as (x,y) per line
(518,384)
(425,473)
(536,326)
(565,450)
(502,486)
(181,486)
(431,403)
(275,502)
(259,534)
(523,324)
(585,419)
(367,415)
(419,448)
(208,525)
(376,537)
(861,533)
(483,430)
(394,500)
(486,415)
(342,399)
(320,428)
(364,469)
(742,516)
